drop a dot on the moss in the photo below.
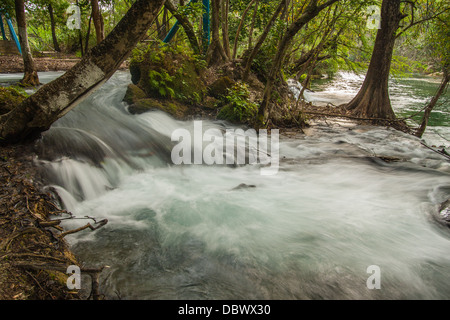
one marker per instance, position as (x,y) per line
(9,98)
(174,108)
(133,94)
(219,88)
(167,72)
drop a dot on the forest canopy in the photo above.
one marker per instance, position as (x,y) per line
(270,40)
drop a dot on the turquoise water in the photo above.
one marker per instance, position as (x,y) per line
(409,95)
(333,210)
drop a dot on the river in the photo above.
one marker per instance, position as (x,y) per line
(314,230)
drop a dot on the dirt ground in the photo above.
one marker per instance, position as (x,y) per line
(43,61)
(33,258)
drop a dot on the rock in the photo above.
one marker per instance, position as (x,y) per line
(244,186)
(220,87)
(133,94)
(177,110)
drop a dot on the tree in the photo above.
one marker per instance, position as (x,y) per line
(216,53)
(98,21)
(254,51)
(53,27)
(311,11)
(372,100)
(55,99)
(439,49)
(30,77)
(187,26)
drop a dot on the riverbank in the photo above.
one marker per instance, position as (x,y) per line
(32,257)
(46,62)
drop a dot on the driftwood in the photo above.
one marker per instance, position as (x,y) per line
(101,223)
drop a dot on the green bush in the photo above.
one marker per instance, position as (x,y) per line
(237,105)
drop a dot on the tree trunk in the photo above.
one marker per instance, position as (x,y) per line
(372,100)
(187,26)
(225,36)
(216,54)
(419,133)
(30,77)
(55,99)
(252,26)
(88,33)
(249,59)
(98,21)
(53,27)
(308,14)
(241,23)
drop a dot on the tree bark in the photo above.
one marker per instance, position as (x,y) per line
(88,34)
(55,99)
(216,54)
(225,36)
(98,21)
(241,23)
(419,133)
(30,77)
(311,11)
(53,27)
(372,100)
(261,39)
(252,26)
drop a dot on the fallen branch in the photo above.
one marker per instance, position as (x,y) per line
(100,224)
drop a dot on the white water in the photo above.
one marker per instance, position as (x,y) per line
(408,96)
(309,232)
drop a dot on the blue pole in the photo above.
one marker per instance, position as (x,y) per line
(172,32)
(3,29)
(206,28)
(13,34)
(175,27)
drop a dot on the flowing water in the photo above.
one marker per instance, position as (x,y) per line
(311,231)
(408,96)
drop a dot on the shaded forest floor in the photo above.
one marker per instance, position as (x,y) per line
(32,258)
(43,61)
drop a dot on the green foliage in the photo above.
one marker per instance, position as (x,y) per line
(238,107)
(170,71)
(10,97)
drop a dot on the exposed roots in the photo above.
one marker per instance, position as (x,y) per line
(34,256)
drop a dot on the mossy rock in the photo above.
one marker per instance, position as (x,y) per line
(219,88)
(177,110)
(9,99)
(168,73)
(133,94)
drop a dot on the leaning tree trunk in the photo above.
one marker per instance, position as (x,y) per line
(446,78)
(372,100)
(30,77)
(186,24)
(311,11)
(254,51)
(54,100)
